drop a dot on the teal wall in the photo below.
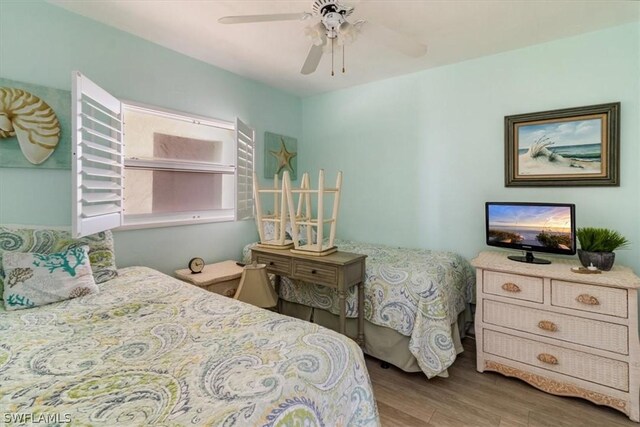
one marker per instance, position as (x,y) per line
(41,43)
(421,153)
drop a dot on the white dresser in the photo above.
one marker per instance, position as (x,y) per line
(565,333)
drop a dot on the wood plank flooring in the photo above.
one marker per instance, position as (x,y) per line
(469,398)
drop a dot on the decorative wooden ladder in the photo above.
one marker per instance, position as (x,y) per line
(297,218)
(279,216)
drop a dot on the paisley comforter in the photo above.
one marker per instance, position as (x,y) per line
(416,292)
(151,350)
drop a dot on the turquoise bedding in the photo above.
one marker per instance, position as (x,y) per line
(151,350)
(416,292)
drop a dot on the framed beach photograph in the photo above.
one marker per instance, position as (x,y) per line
(569,147)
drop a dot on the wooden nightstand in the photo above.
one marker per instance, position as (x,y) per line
(222,278)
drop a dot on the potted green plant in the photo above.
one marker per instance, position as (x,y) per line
(597,246)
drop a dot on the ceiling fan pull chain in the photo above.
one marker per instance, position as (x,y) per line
(342,59)
(332,74)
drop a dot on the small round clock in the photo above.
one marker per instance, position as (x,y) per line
(196,265)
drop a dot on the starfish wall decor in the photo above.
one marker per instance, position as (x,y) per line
(280,155)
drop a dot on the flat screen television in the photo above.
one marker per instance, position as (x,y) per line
(531,227)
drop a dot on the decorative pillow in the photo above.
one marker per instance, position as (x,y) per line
(34,279)
(44,241)
(101,253)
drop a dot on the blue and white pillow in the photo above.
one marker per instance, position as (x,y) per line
(44,241)
(34,279)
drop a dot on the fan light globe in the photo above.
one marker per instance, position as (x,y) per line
(348,33)
(317,33)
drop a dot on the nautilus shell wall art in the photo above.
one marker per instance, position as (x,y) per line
(31,120)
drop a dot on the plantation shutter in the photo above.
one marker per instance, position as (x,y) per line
(98,161)
(245,146)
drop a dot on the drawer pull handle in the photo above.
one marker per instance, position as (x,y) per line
(511,287)
(271,263)
(548,359)
(313,272)
(587,299)
(547,325)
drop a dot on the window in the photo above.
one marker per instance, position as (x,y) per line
(149,167)
(178,168)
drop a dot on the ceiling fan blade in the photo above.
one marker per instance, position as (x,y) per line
(313,59)
(394,39)
(245,19)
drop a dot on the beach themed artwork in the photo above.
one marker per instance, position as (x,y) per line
(280,154)
(35,126)
(570,147)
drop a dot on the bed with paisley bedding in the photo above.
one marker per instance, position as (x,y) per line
(416,303)
(151,350)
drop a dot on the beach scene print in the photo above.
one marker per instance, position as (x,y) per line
(560,148)
(547,226)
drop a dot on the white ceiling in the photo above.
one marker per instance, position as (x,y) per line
(273,52)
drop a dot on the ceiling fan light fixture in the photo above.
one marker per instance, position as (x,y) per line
(348,33)
(317,33)
(334,30)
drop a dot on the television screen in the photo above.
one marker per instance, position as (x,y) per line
(542,227)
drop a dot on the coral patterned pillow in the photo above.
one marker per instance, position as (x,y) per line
(33,279)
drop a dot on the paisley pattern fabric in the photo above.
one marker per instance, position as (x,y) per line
(45,241)
(417,292)
(151,350)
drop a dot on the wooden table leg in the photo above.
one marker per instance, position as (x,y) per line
(360,339)
(277,282)
(342,297)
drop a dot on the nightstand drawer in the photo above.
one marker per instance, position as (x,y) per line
(515,286)
(600,370)
(275,264)
(578,330)
(595,299)
(314,273)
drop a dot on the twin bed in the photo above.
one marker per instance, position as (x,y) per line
(416,304)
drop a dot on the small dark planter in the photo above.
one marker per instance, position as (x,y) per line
(602,260)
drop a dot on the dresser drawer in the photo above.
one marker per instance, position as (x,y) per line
(585,366)
(275,263)
(578,330)
(526,288)
(314,273)
(595,299)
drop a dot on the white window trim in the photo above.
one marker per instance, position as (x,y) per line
(177,115)
(85,222)
(135,222)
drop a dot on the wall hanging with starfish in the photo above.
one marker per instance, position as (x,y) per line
(280,154)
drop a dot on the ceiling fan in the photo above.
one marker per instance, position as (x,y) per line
(334,28)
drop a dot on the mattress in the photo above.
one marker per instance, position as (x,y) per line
(149,349)
(416,292)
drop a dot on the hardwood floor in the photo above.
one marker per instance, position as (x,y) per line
(469,398)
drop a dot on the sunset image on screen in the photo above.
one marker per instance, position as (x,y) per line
(547,226)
